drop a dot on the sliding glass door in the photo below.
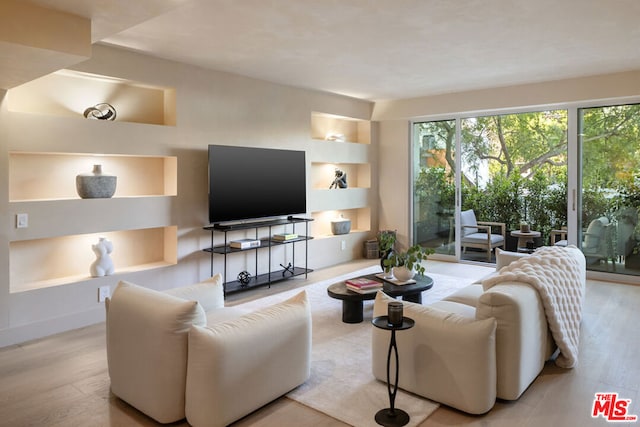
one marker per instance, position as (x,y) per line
(512,170)
(434,185)
(609,138)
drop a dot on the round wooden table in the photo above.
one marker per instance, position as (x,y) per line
(353,302)
(524,238)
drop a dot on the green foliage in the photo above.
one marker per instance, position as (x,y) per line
(411,258)
(386,240)
(434,192)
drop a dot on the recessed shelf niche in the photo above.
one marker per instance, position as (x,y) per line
(67,259)
(360,221)
(68,93)
(323,174)
(51,176)
(330,127)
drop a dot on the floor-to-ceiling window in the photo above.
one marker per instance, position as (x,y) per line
(609,140)
(513,169)
(434,185)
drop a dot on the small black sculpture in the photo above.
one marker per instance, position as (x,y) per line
(287,269)
(340,180)
(244,277)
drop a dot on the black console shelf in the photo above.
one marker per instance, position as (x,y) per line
(264,279)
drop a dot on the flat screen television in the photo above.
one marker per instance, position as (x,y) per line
(254,183)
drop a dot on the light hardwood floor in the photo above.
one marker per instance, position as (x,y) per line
(62,380)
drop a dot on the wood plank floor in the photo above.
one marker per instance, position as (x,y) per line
(62,380)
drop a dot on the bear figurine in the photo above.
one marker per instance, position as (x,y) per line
(103,265)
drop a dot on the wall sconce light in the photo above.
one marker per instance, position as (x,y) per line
(102,111)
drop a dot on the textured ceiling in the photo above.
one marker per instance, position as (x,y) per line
(384,49)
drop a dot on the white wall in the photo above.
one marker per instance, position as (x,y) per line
(212,107)
(394,122)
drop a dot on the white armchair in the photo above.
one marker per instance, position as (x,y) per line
(479,234)
(182,353)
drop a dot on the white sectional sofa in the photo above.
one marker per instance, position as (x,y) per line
(181,353)
(475,345)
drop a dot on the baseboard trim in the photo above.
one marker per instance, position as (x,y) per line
(43,328)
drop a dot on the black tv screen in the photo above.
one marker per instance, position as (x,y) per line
(252,183)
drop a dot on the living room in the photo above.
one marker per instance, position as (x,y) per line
(199,107)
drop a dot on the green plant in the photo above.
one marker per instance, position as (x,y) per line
(410,258)
(386,240)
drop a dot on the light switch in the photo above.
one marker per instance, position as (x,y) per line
(22,220)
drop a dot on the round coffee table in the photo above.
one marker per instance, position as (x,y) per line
(353,302)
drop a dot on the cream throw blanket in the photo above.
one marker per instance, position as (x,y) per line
(555,274)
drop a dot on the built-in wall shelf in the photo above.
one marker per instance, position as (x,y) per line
(331,127)
(360,221)
(68,93)
(35,176)
(342,143)
(55,261)
(323,174)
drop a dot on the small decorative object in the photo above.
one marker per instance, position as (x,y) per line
(340,180)
(335,137)
(340,225)
(524,227)
(101,111)
(410,260)
(244,277)
(103,265)
(371,249)
(95,184)
(394,311)
(402,273)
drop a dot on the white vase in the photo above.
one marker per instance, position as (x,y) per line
(96,184)
(402,274)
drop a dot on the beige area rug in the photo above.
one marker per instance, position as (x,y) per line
(341,383)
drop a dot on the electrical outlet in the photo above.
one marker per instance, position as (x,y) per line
(343,245)
(22,220)
(104,292)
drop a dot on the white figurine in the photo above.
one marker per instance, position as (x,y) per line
(103,265)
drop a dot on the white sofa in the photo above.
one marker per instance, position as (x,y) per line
(474,346)
(182,353)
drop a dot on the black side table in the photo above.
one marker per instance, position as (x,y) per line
(392,416)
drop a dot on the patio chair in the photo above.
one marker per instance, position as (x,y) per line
(597,243)
(559,237)
(478,234)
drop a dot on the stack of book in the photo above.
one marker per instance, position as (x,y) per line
(285,237)
(244,243)
(363,285)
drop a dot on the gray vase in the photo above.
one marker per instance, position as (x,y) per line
(341,226)
(95,184)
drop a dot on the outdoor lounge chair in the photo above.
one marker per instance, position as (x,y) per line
(478,234)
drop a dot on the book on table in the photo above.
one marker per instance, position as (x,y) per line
(244,243)
(284,237)
(363,285)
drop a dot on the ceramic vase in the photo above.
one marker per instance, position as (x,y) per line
(103,265)
(402,274)
(96,184)
(340,226)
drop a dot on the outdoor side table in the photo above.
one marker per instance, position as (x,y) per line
(524,238)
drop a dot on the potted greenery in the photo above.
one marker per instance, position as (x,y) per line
(386,241)
(406,264)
